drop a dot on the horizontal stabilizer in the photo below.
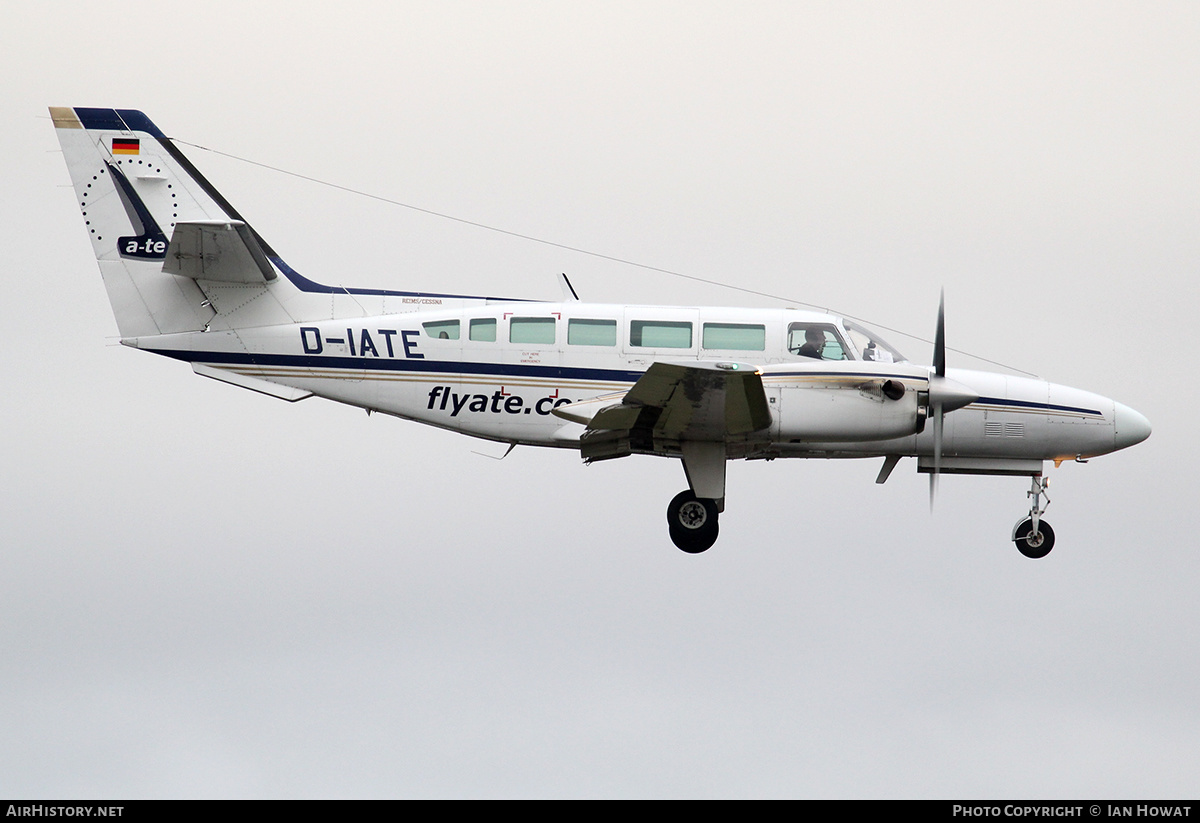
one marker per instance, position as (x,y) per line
(246,381)
(226,251)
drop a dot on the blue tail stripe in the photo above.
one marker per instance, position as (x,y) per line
(117,120)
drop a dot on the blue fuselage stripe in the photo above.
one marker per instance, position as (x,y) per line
(297,361)
(1029,404)
(513,370)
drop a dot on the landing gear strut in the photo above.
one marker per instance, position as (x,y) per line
(692,522)
(692,515)
(1033,536)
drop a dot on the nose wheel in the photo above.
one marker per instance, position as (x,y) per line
(1033,536)
(692,522)
(1033,543)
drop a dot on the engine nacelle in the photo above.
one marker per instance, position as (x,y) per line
(832,411)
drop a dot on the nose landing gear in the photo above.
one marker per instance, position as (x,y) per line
(1033,536)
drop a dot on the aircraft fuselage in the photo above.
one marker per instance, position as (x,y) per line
(500,370)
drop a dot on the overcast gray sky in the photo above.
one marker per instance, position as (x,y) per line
(207,592)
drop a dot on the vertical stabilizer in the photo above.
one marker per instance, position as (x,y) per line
(167,243)
(175,255)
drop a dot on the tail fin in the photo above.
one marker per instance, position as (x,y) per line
(168,244)
(175,255)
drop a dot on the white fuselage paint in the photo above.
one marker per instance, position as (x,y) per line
(506,391)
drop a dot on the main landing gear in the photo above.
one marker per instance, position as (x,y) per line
(1033,536)
(692,515)
(693,522)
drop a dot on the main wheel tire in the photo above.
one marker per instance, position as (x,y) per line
(694,542)
(692,522)
(1034,544)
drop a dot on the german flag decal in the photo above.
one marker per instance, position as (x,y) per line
(126,145)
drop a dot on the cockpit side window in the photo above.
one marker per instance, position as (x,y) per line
(819,341)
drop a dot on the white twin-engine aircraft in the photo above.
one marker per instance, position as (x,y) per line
(190,279)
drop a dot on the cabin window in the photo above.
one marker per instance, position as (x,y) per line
(538,330)
(483,329)
(581,332)
(442,329)
(734,336)
(818,341)
(660,334)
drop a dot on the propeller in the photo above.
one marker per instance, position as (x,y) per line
(938,406)
(945,395)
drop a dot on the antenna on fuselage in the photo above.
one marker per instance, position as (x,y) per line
(511,446)
(567,289)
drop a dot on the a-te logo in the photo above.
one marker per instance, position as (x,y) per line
(143,247)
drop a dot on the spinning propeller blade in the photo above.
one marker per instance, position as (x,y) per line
(939,338)
(945,395)
(938,406)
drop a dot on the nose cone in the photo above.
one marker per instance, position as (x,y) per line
(1131,427)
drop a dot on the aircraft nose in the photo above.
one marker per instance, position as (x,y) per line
(1131,427)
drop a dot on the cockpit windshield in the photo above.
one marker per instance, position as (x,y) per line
(868,346)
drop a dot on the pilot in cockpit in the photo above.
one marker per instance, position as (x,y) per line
(814,344)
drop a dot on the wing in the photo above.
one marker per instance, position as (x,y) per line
(672,403)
